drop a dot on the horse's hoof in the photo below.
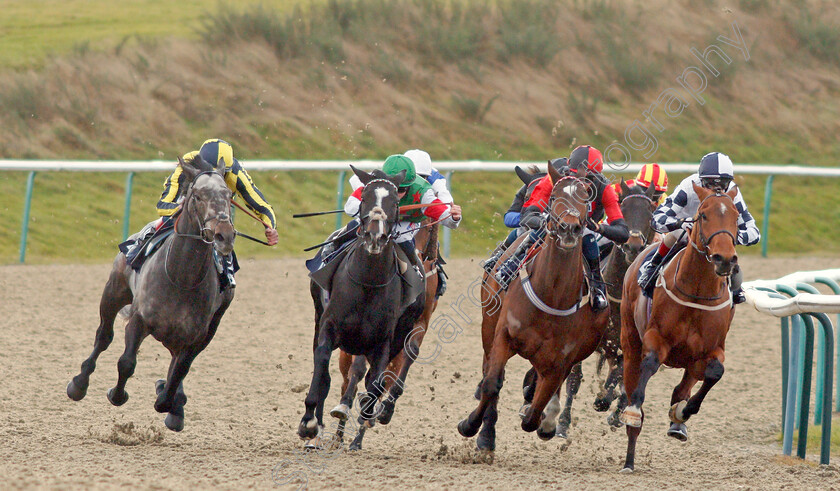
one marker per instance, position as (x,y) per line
(484,456)
(561,432)
(386,413)
(529,426)
(626,470)
(466,430)
(678,431)
(524,410)
(341,412)
(117,401)
(354,446)
(676,412)
(308,429)
(159,385)
(614,420)
(602,405)
(631,416)
(75,392)
(174,423)
(546,435)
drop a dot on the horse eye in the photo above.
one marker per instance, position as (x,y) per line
(702,216)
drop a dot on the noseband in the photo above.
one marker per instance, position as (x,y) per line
(704,240)
(561,227)
(202,226)
(636,234)
(392,234)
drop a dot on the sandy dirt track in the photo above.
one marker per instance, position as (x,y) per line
(246,394)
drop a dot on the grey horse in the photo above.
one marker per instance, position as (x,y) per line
(175,296)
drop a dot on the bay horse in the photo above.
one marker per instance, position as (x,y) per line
(554,336)
(353,367)
(689,318)
(637,207)
(176,294)
(362,316)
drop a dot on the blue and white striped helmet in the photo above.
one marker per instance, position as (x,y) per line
(716,165)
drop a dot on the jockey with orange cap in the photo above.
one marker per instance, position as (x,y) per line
(649,173)
(604,202)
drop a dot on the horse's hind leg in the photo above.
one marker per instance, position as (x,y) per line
(135,332)
(681,410)
(573,382)
(175,419)
(114,297)
(352,369)
(547,386)
(681,393)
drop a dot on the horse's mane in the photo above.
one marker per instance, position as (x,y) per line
(532,169)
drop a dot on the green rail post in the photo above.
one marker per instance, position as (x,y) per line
(820,390)
(836,289)
(785,361)
(790,397)
(805,401)
(30,183)
(825,401)
(339,198)
(127,213)
(801,356)
(765,233)
(447,233)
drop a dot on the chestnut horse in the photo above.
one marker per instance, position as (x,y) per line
(353,367)
(545,317)
(689,317)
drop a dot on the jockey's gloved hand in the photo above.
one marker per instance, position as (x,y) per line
(593,225)
(532,220)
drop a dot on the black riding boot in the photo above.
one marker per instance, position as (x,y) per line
(344,235)
(409,248)
(510,268)
(735,286)
(441,287)
(145,234)
(491,262)
(593,260)
(648,273)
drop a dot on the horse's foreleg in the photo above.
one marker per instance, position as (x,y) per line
(547,387)
(681,411)
(320,385)
(135,332)
(175,419)
(374,387)
(573,382)
(491,385)
(632,415)
(115,296)
(681,393)
(632,348)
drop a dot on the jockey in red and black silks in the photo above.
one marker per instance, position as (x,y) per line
(603,202)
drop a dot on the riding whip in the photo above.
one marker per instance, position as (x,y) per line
(250,214)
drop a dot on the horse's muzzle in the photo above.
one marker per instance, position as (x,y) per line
(223,237)
(724,266)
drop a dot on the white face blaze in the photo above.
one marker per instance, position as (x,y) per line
(381,193)
(723,209)
(377,213)
(571,189)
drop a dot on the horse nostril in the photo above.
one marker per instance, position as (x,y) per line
(219,237)
(717,258)
(735,259)
(576,229)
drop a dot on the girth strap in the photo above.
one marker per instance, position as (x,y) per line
(532,296)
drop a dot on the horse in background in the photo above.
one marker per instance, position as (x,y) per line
(685,324)
(175,296)
(545,317)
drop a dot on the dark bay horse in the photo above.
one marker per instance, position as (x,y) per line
(689,318)
(353,367)
(555,336)
(362,316)
(175,297)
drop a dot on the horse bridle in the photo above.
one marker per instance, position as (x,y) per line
(560,226)
(704,240)
(202,226)
(637,234)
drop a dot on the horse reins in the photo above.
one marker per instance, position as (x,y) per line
(202,227)
(562,226)
(705,241)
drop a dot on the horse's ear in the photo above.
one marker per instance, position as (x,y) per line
(188,170)
(700,191)
(625,190)
(733,192)
(362,175)
(397,179)
(222,166)
(651,189)
(554,173)
(523,175)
